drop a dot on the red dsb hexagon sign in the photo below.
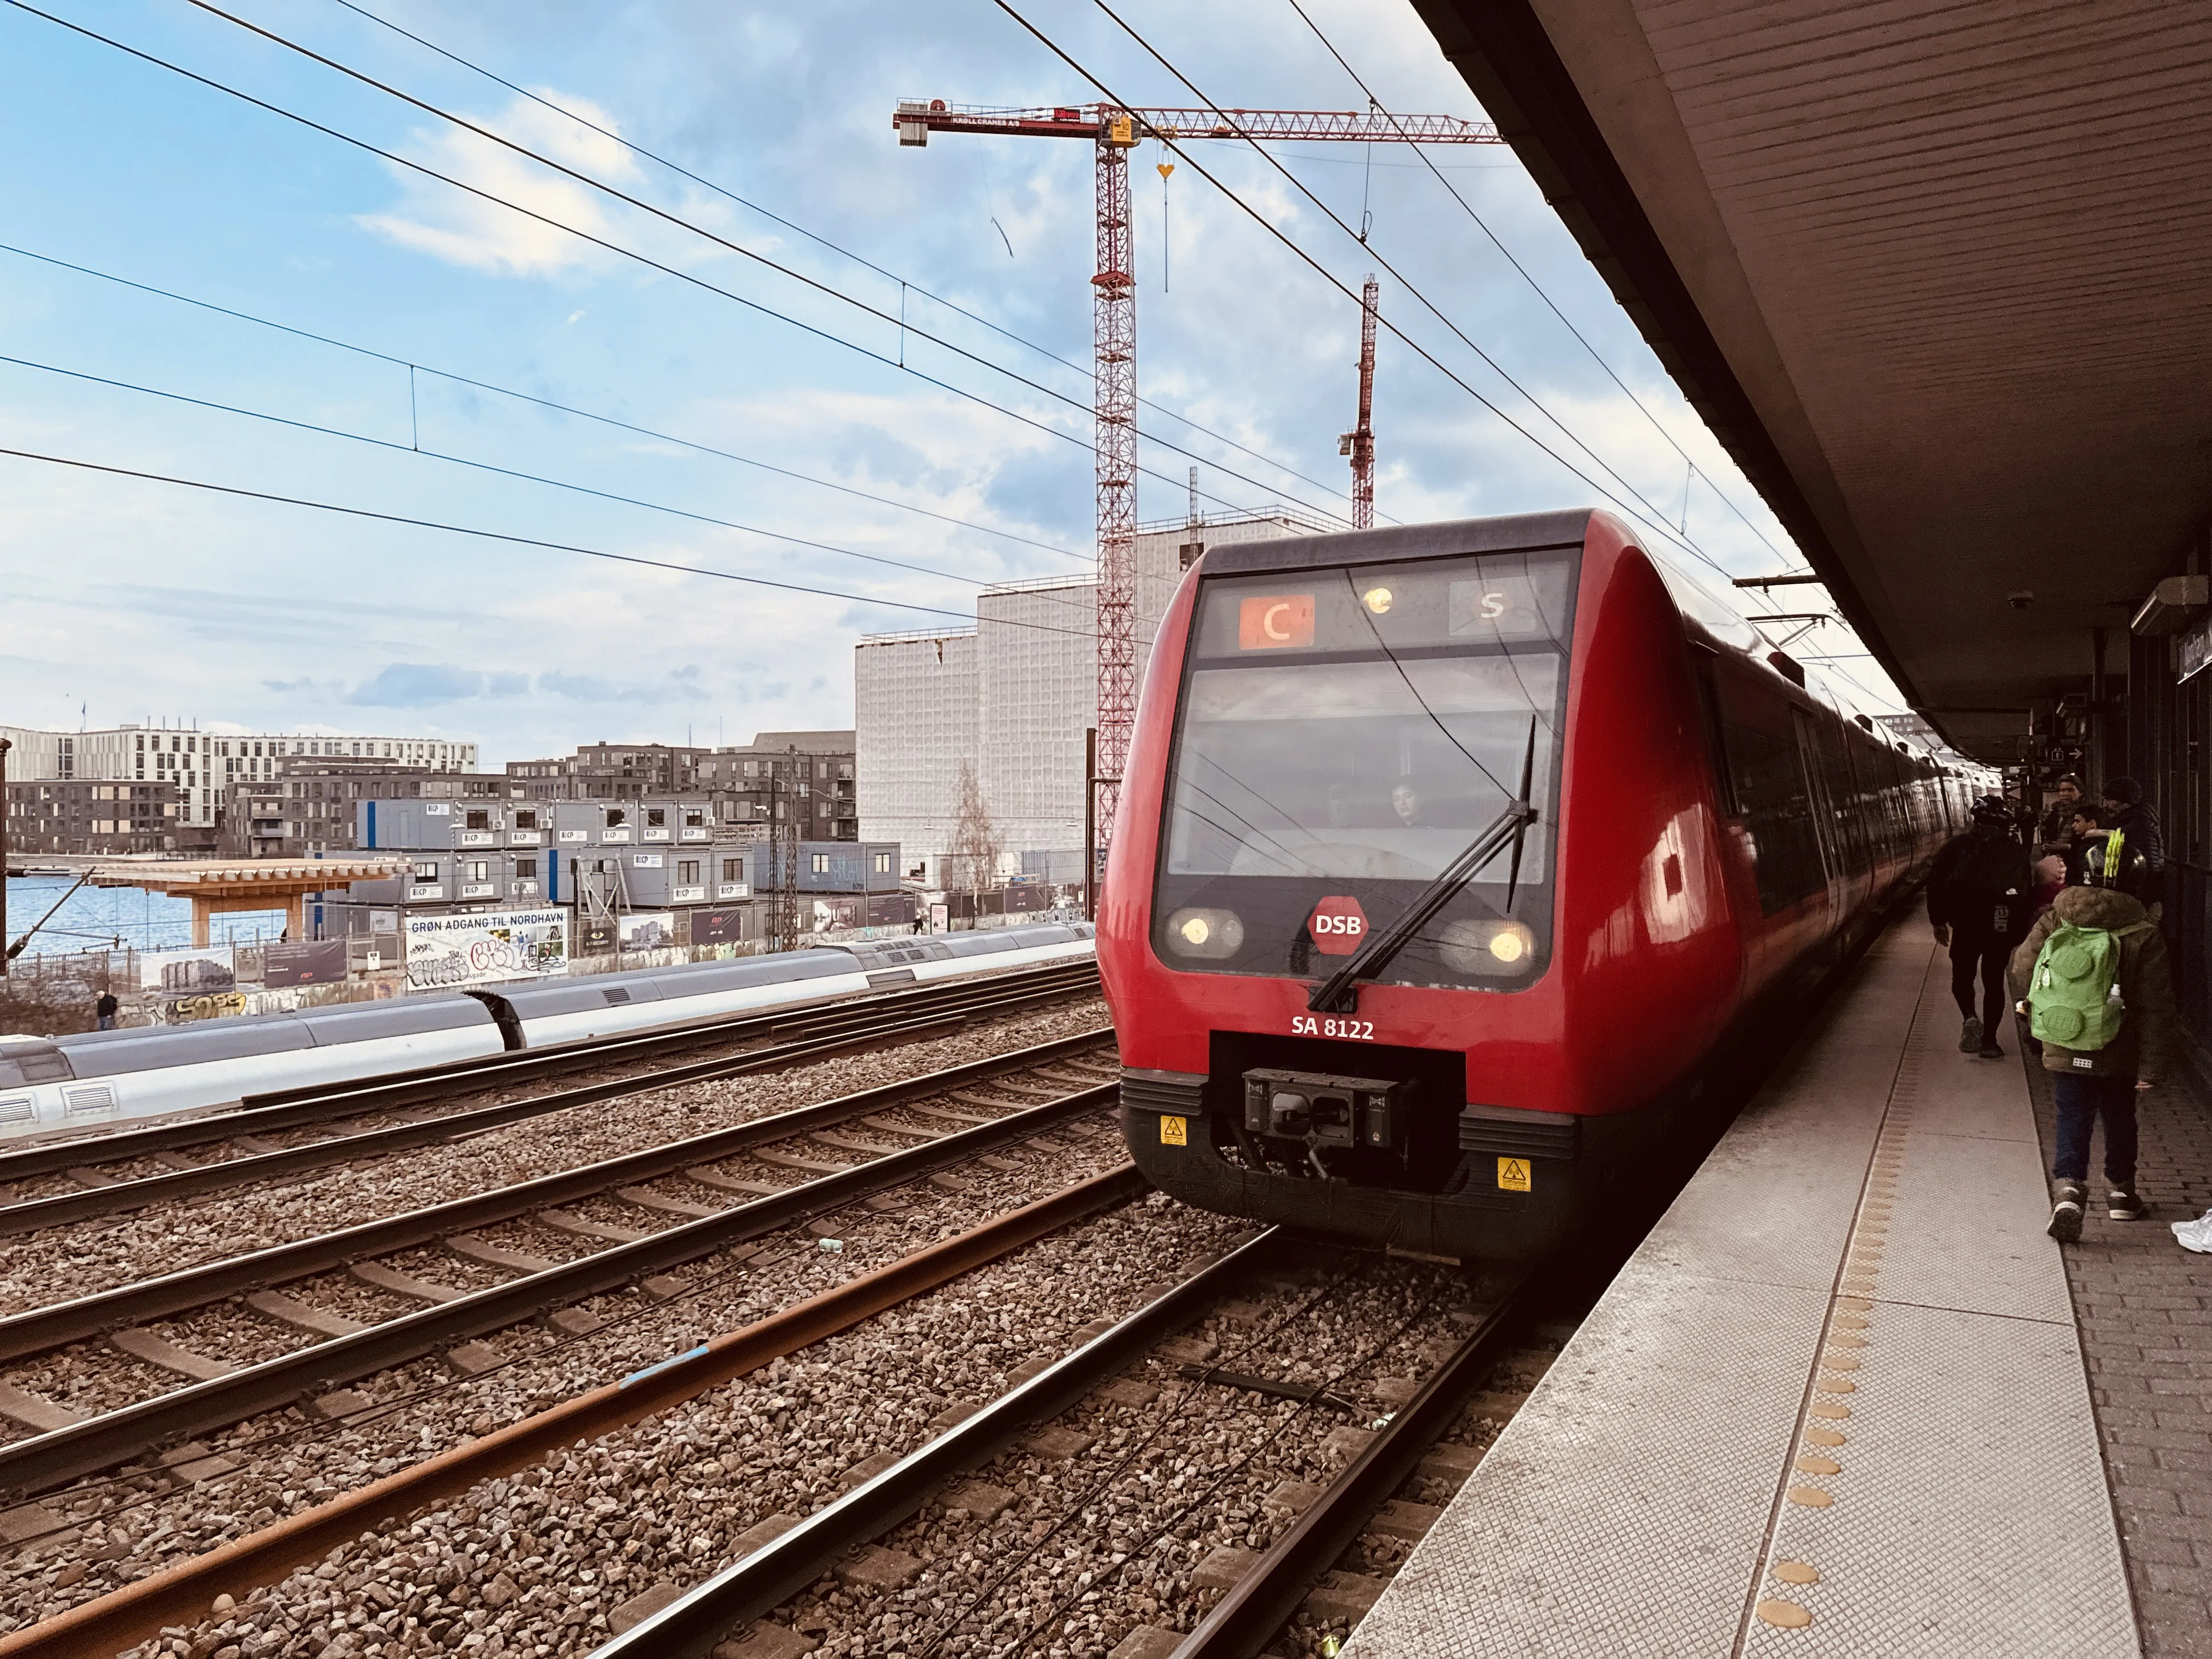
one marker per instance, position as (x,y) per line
(1339,926)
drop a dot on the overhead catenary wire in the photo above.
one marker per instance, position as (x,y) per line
(545,544)
(1655,520)
(1482,225)
(1651,516)
(621,251)
(544,402)
(416,448)
(816,237)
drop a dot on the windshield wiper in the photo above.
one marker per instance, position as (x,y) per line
(1339,993)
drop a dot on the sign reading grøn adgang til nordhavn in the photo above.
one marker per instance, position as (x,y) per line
(446,951)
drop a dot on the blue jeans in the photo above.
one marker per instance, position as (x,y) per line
(2081,1100)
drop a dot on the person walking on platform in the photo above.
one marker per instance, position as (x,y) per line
(2098,994)
(1979,901)
(2139,850)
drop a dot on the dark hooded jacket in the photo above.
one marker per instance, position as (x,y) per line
(1982,884)
(2144,1046)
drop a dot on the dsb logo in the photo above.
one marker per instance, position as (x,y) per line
(1339,926)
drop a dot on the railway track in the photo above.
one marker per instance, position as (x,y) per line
(187,1589)
(1263,1594)
(135,1169)
(1286,1396)
(710,1194)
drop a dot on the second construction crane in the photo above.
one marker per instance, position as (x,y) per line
(1116,132)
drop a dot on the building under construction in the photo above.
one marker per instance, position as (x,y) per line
(1008,700)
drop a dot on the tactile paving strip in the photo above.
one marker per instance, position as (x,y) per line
(1623,1510)
(1835,1403)
(1951,1531)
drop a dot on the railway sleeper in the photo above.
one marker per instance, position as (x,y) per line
(50,1459)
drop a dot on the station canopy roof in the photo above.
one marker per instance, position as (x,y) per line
(1938,274)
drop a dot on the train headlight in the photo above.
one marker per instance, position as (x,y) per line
(1205,932)
(1377,600)
(1487,947)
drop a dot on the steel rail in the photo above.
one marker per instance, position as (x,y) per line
(292,1109)
(181,1594)
(52,1459)
(61,1208)
(1267,1597)
(691,1627)
(40,1330)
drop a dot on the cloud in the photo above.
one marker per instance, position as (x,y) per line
(449,224)
(421,685)
(679,684)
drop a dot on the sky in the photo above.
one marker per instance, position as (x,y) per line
(687,369)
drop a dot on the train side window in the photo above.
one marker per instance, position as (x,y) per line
(1761,743)
(1709,706)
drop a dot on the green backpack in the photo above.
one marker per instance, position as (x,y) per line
(2073,992)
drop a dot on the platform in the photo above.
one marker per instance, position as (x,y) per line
(1834,1405)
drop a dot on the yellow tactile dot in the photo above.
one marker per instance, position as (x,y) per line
(1859,1286)
(1784,1615)
(1841,1362)
(1811,1463)
(1845,1322)
(1828,1385)
(1811,1498)
(1844,1339)
(1795,1572)
(1834,1410)
(1854,1304)
(1820,1436)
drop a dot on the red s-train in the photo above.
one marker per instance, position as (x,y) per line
(1447,856)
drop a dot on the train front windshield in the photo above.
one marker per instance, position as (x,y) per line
(1344,735)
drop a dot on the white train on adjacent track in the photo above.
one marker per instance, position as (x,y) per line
(88,1079)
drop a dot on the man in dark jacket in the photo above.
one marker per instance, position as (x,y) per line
(1978,901)
(2139,841)
(2103,1082)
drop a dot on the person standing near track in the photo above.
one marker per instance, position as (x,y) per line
(1980,905)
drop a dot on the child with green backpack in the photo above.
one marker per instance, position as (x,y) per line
(2100,998)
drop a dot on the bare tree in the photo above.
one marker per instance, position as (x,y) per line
(972,860)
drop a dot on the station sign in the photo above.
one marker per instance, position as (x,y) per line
(2192,649)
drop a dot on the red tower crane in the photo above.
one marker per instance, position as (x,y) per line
(1359,443)
(1116,132)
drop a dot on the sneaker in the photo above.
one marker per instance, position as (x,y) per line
(1970,1035)
(1990,1051)
(2122,1204)
(2066,1211)
(2195,1235)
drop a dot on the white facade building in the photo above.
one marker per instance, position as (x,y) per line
(914,709)
(1011,699)
(204,764)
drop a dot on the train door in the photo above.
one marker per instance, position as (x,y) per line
(1827,779)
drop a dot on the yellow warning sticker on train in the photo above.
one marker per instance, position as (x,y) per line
(1513,1175)
(1176,1131)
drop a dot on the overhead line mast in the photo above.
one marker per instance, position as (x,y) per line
(1116,132)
